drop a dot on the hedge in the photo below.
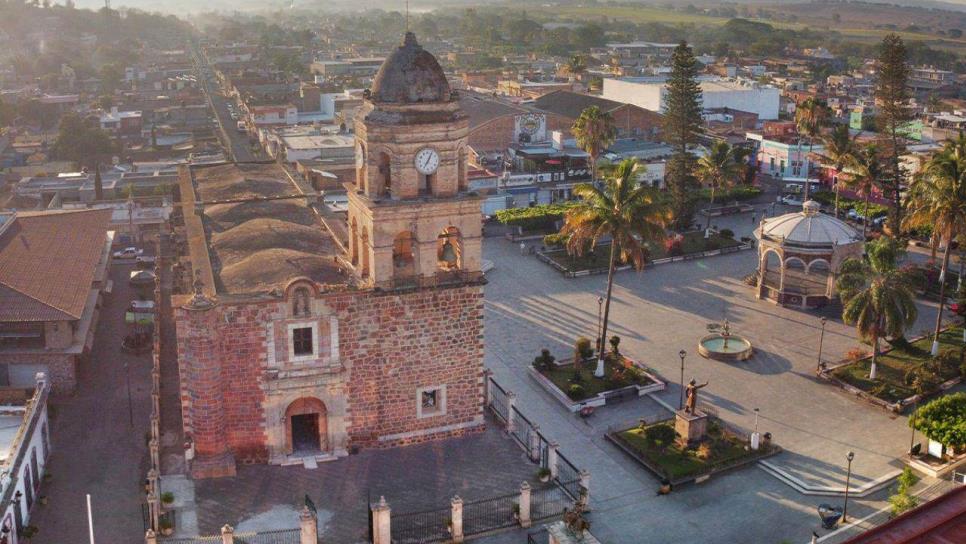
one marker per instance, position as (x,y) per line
(740,192)
(534,218)
(845,204)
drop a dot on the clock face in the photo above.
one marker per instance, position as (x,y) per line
(426,161)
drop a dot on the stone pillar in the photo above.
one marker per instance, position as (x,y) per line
(227,535)
(552,458)
(511,400)
(154,450)
(585,486)
(525,505)
(534,446)
(456,519)
(309,526)
(380,523)
(198,324)
(150,537)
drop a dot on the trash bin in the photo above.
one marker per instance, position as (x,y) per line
(830,515)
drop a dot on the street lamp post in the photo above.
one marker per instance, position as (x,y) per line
(756,420)
(848,477)
(600,323)
(821,342)
(682,354)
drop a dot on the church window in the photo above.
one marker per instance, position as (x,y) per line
(431,401)
(302,341)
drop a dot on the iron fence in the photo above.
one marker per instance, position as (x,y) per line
(568,477)
(548,503)
(419,527)
(284,536)
(498,401)
(490,514)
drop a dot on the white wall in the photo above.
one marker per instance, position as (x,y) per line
(644,95)
(755,99)
(31,444)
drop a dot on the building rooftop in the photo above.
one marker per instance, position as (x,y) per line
(482,109)
(320,141)
(410,75)
(571,104)
(256,232)
(47,263)
(940,521)
(809,227)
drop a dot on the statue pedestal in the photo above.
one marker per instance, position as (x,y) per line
(559,534)
(691,428)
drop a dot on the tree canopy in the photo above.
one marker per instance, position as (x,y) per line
(943,420)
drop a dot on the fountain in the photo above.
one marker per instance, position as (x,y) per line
(722,345)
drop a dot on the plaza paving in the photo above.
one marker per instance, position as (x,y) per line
(658,312)
(412,479)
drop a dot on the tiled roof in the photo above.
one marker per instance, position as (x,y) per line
(47,264)
(570,104)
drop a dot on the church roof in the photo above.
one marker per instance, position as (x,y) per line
(410,75)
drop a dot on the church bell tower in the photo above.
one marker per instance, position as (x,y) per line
(412,220)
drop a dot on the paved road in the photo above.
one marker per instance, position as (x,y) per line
(96,450)
(657,313)
(239,147)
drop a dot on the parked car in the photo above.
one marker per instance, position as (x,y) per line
(146,261)
(141,277)
(792,200)
(128,253)
(141,306)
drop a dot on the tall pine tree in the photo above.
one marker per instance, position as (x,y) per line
(682,124)
(894,112)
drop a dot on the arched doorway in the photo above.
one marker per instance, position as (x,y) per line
(306,428)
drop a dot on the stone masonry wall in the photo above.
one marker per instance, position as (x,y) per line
(61,368)
(390,345)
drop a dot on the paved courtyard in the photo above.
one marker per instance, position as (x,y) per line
(657,313)
(413,479)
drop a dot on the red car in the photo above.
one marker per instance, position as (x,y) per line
(958,308)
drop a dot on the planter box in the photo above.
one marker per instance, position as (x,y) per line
(544,256)
(895,407)
(937,471)
(600,399)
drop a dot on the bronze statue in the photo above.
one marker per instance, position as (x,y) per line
(574,520)
(692,393)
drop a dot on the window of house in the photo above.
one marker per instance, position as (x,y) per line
(302,342)
(431,401)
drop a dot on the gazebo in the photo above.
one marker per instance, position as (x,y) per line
(800,253)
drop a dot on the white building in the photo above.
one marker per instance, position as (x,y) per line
(24,448)
(738,94)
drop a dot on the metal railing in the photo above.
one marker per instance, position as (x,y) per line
(439,279)
(419,527)
(499,402)
(548,503)
(284,536)
(490,514)
(568,477)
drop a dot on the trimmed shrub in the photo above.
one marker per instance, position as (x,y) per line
(534,218)
(576,391)
(584,348)
(662,432)
(555,240)
(727,233)
(544,361)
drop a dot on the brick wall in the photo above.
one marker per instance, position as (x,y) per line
(390,345)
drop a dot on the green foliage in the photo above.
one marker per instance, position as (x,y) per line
(615,342)
(682,124)
(555,240)
(544,360)
(726,233)
(534,218)
(943,420)
(740,193)
(902,500)
(584,348)
(662,433)
(576,391)
(167,497)
(79,142)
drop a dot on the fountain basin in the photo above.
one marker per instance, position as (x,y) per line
(725,348)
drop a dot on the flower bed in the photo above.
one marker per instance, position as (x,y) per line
(620,380)
(891,389)
(654,447)
(692,244)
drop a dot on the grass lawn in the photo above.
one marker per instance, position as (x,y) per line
(562,377)
(694,242)
(676,463)
(891,367)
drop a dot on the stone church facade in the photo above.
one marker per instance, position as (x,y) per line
(315,345)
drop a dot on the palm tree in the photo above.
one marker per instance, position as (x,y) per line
(746,172)
(877,295)
(631,215)
(839,148)
(938,199)
(717,169)
(863,171)
(575,66)
(810,116)
(595,131)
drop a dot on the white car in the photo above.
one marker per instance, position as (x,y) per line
(141,306)
(128,253)
(792,200)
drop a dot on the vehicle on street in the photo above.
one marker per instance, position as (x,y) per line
(141,306)
(128,253)
(141,277)
(146,261)
(792,200)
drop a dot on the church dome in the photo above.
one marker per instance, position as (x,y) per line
(410,75)
(809,227)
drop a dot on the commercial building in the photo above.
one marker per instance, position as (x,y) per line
(737,94)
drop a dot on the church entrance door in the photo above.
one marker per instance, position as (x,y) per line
(305,433)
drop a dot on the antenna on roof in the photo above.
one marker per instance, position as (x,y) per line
(407,15)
